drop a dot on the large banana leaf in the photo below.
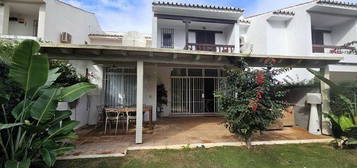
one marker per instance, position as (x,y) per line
(74,92)
(20,112)
(7,126)
(345,123)
(48,157)
(322,78)
(63,149)
(64,128)
(52,77)
(29,68)
(44,107)
(17,164)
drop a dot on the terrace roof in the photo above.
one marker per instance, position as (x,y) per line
(173,56)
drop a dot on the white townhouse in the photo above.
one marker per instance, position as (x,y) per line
(193,44)
(315,28)
(46,20)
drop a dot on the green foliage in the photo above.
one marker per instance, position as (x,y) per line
(34,133)
(68,75)
(62,73)
(7,49)
(343,114)
(14,93)
(251,100)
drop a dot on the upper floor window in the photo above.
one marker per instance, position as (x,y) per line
(167,38)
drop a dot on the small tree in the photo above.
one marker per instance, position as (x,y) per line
(251,100)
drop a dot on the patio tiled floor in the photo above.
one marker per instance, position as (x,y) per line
(172,131)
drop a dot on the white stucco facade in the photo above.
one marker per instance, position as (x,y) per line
(45,20)
(170,19)
(289,32)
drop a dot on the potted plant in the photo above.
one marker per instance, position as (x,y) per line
(161,97)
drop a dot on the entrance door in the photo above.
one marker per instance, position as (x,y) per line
(209,99)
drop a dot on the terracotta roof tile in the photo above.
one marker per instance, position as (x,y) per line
(244,21)
(338,3)
(283,12)
(105,35)
(162,3)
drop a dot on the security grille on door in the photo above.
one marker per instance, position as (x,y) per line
(120,86)
(193,90)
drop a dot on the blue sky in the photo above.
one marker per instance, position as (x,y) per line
(135,15)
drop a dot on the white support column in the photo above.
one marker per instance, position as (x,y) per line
(139,101)
(236,35)
(154,32)
(41,22)
(4,19)
(325,93)
(154,112)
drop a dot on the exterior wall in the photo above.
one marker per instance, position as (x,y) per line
(344,33)
(299,32)
(277,38)
(297,97)
(150,85)
(257,35)
(61,17)
(291,37)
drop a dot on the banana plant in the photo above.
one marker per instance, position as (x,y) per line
(34,133)
(346,123)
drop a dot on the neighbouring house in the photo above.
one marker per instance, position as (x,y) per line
(193,44)
(315,28)
(132,38)
(46,20)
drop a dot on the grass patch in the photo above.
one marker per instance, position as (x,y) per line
(276,156)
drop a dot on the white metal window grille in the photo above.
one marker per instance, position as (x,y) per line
(167,38)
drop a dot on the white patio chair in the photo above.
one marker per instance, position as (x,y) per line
(111,114)
(130,116)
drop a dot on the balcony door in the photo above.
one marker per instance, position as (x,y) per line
(205,40)
(318,39)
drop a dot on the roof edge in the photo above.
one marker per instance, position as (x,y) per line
(188,5)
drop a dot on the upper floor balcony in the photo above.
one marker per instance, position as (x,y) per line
(20,20)
(196,27)
(334,28)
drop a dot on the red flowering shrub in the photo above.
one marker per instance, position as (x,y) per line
(251,100)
